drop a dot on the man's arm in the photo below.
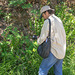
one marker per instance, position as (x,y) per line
(44,32)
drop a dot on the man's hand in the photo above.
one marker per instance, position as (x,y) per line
(37,37)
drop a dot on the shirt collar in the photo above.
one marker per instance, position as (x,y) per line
(50,16)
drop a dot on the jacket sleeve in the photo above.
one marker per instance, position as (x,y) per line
(44,32)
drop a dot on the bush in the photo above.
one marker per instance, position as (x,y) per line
(18,53)
(20,3)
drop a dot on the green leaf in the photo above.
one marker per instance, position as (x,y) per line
(34,11)
(29,51)
(70,33)
(26,6)
(18,36)
(8,42)
(15,29)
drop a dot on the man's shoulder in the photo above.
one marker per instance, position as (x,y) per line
(57,18)
(46,20)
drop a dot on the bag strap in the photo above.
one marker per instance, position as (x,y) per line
(49,28)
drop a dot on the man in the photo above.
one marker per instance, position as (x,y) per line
(58,42)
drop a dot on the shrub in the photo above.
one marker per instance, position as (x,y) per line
(20,3)
(18,53)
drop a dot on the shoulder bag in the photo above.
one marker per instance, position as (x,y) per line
(44,49)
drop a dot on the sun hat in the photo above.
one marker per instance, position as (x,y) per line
(45,8)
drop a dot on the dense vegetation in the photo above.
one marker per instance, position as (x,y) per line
(18,53)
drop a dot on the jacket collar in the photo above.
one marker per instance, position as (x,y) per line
(50,16)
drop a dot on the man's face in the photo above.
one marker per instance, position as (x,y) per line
(45,15)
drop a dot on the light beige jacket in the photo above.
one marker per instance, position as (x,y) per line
(58,36)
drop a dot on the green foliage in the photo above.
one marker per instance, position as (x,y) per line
(7,17)
(1,11)
(36,25)
(20,3)
(18,54)
(16,3)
